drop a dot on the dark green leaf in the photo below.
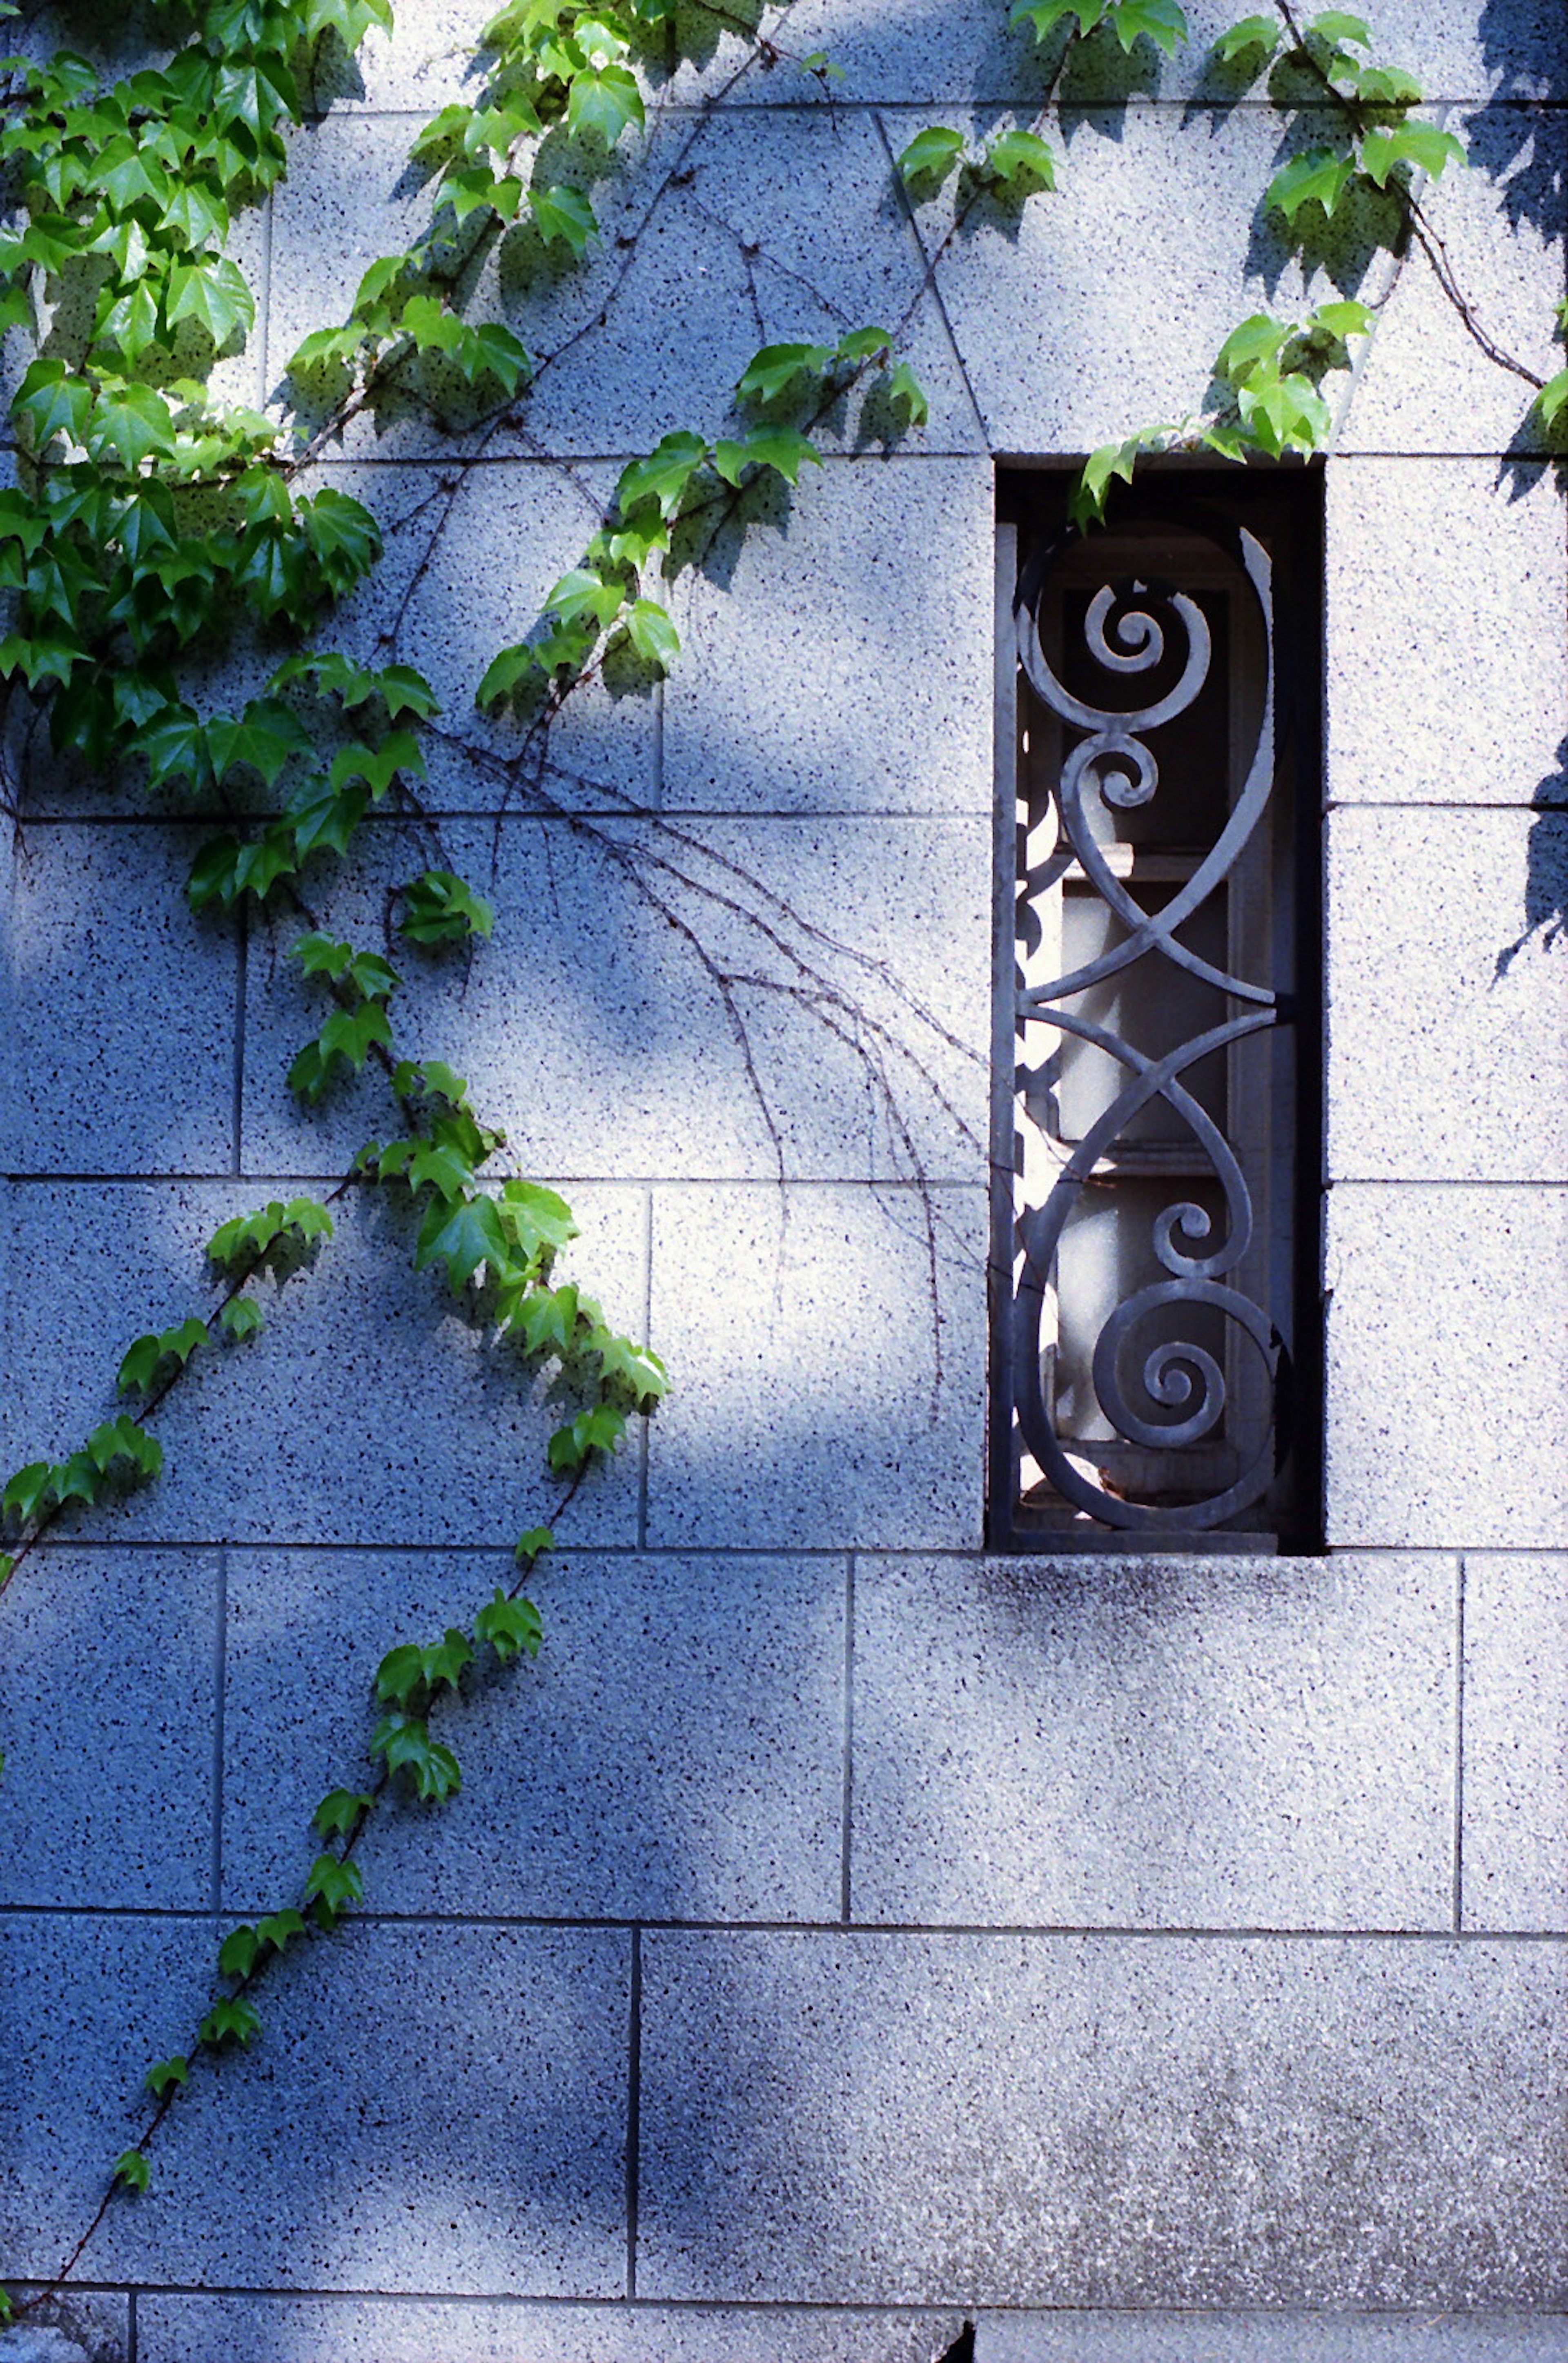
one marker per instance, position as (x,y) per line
(510,1627)
(165,2072)
(339,1810)
(132,2171)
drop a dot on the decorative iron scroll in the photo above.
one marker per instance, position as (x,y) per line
(1115,763)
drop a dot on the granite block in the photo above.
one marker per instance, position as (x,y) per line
(1447,677)
(108,1693)
(1288,2336)
(1447,1422)
(701,999)
(677,1751)
(1102,306)
(1104,2120)
(1177,1742)
(424,2109)
(382,2330)
(921,51)
(829,1350)
(471,557)
(120,1042)
(715,240)
(1516,1741)
(844,664)
(367,1409)
(1449,1062)
(1427,385)
(91,2323)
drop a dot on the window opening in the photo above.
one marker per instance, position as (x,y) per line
(1154,1157)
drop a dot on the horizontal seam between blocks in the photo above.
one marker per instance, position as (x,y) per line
(1186,103)
(822,1930)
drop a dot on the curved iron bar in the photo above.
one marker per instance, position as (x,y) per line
(1177,1374)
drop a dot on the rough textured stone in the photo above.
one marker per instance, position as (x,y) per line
(118,1051)
(1102,306)
(844,665)
(1448,1063)
(1447,1423)
(1448,679)
(1516,1742)
(215,2330)
(1428,386)
(377,2138)
(94,2323)
(107,1699)
(600,1024)
(742,232)
(676,1752)
(368,1410)
(1289,2337)
(1187,1743)
(470,558)
(1097,2120)
(831,1351)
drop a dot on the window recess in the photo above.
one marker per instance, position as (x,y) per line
(1156,1164)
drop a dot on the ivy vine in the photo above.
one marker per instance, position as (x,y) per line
(157,530)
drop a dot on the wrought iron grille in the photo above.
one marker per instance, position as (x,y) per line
(1146,1354)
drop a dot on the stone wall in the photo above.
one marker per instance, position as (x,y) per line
(841,1931)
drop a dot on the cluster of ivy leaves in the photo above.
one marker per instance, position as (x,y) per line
(155,525)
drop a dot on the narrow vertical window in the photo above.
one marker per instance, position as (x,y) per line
(1154,1157)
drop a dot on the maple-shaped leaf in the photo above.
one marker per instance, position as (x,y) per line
(510,1627)
(599,1429)
(239,1318)
(772,371)
(464,1237)
(439,907)
(931,154)
(564,215)
(166,2072)
(665,476)
(1320,176)
(331,1887)
(530,1546)
(403,1740)
(1419,145)
(538,1219)
(131,2170)
(339,1810)
(278,1929)
(232,2019)
(239,1952)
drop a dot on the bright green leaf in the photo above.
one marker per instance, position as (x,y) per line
(930,155)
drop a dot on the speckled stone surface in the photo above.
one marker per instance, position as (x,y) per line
(1170,1743)
(1064,353)
(120,1030)
(1289,2337)
(831,1356)
(107,1694)
(373,2138)
(609,1022)
(1516,1741)
(367,1409)
(1098,2121)
(1502,228)
(1447,1420)
(287,2330)
(843,664)
(676,1752)
(93,2323)
(1447,674)
(1450,1062)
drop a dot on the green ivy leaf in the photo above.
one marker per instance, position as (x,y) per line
(330,1888)
(239,1952)
(278,1929)
(339,1810)
(905,389)
(510,1627)
(1552,397)
(1260,33)
(131,2170)
(538,1219)
(604,104)
(239,1318)
(773,369)
(1017,158)
(29,1492)
(599,1429)
(463,1238)
(665,476)
(489,350)
(166,2072)
(651,633)
(931,155)
(1344,318)
(211,292)
(1159,21)
(1334,26)
(1257,340)
(1420,145)
(232,2019)
(122,1440)
(503,675)
(1282,412)
(530,1545)
(1320,177)
(143,1359)
(405,1742)
(564,216)
(783,449)
(439,909)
